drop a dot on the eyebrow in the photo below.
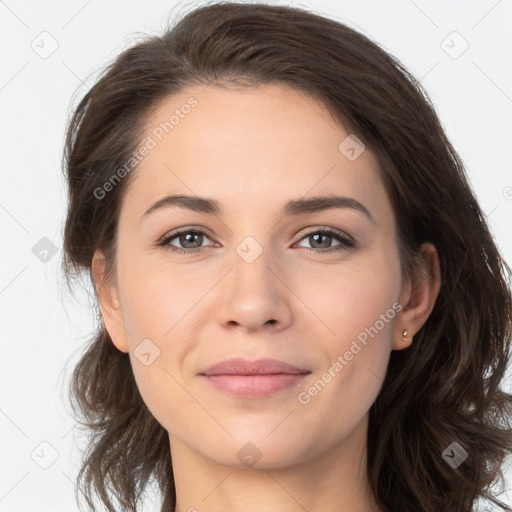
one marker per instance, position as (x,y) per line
(296,207)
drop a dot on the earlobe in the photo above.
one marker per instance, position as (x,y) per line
(421,293)
(112,318)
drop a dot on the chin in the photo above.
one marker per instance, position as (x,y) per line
(258,452)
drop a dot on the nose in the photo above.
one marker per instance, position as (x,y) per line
(255,296)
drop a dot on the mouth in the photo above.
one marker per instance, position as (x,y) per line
(252,379)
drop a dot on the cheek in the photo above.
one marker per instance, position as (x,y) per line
(346,300)
(358,309)
(158,310)
(156,299)
(358,348)
(160,390)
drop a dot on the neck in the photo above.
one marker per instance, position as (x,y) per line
(334,481)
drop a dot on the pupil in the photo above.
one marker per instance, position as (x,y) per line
(326,237)
(186,238)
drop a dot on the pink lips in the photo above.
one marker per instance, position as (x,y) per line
(243,378)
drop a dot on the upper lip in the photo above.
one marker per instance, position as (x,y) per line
(240,366)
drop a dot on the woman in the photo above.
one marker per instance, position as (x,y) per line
(302,306)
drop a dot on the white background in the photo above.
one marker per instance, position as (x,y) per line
(42,326)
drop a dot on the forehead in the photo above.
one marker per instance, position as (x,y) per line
(246,146)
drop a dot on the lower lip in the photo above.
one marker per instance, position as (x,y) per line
(253,386)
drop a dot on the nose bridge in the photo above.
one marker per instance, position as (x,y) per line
(253,272)
(253,293)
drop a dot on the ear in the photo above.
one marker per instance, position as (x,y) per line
(111,312)
(418,298)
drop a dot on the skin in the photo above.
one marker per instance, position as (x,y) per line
(253,149)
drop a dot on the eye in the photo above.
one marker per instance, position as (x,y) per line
(322,238)
(191,240)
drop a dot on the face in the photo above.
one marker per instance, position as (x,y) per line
(314,285)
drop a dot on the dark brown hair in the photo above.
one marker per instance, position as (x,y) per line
(446,387)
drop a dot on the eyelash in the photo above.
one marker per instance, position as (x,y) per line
(347,242)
